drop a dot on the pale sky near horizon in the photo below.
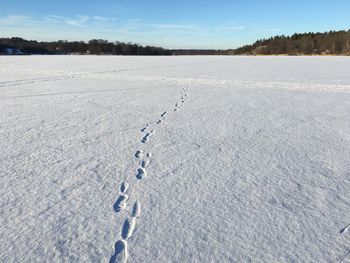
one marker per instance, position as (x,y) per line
(217,24)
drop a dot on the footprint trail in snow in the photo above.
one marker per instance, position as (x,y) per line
(129,225)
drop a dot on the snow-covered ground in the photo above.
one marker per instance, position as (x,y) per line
(246,159)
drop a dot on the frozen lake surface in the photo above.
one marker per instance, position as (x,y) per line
(174,159)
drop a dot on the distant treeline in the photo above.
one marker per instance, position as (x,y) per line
(329,43)
(17,45)
(198,52)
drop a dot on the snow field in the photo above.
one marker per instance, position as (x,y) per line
(174,159)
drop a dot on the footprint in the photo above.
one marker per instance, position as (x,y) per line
(124,187)
(144,163)
(139,154)
(164,114)
(128,227)
(149,155)
(145,128)
(120,204)
(345,229)
(159,121)
(141,173)
(120,252)
(145,138)
(136,209)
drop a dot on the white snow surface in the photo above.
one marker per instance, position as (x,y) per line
(250,162)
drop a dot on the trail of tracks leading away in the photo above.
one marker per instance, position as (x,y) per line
(121,246)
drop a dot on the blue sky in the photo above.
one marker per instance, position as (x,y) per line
(171,24)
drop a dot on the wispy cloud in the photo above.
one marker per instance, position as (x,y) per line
(104,19)
(78,21)
(28,20)
(83,27)
(15,19)
(174,26)
(101,21)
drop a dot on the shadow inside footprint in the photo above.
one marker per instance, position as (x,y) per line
(144,163)
(146,138)
(128,228)
(120,204)
(120,252)
(141,173)
(136,210)
(124,187)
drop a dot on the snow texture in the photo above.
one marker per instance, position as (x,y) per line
(247,159)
